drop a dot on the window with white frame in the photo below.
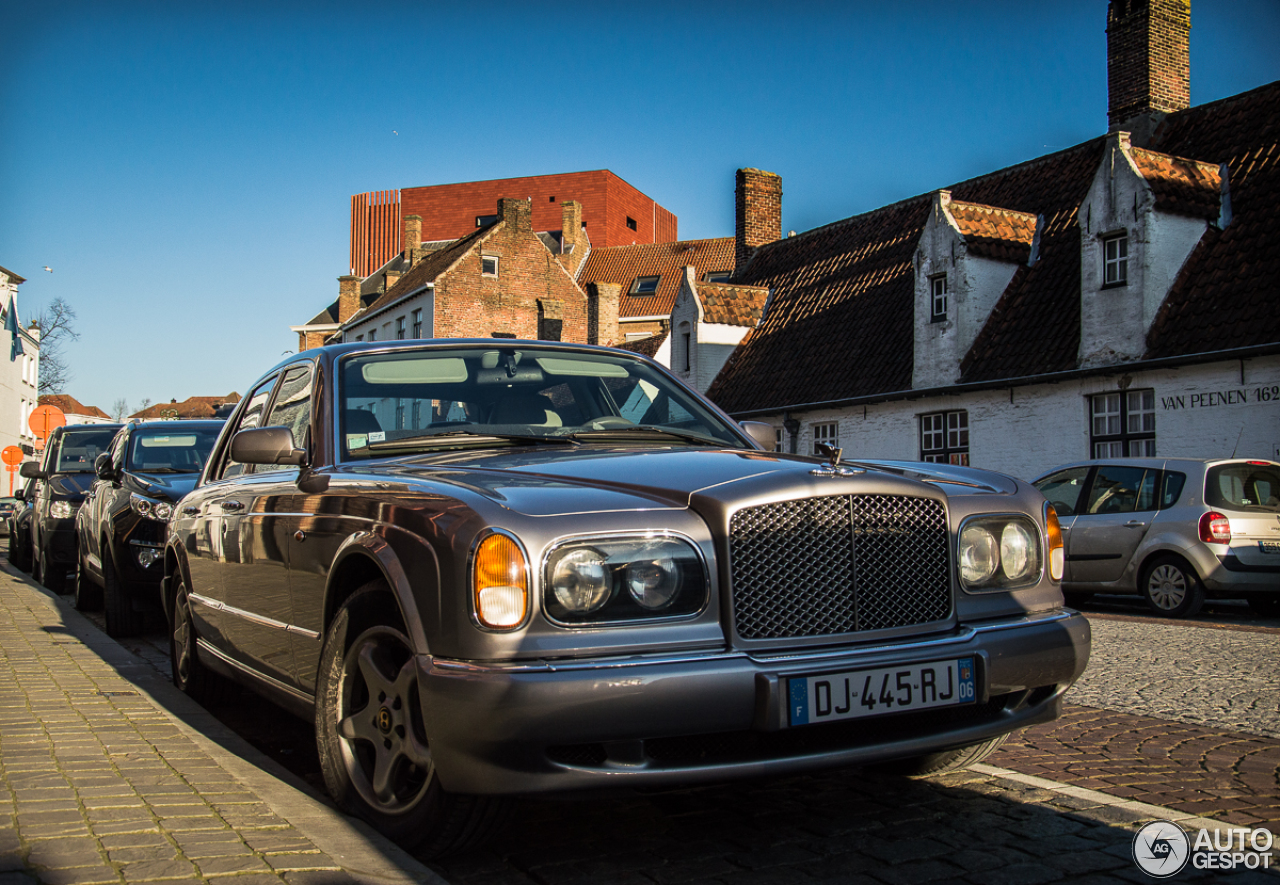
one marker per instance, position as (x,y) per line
(944,437)
(826,434)
(777,439)
(1123,424)
(489,265)
(399,328)
(938,298)
(373,334)
(1115,260)
(417,323)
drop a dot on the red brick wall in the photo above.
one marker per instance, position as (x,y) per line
(471,305)
(1148,57)
(758,208)
(449,211)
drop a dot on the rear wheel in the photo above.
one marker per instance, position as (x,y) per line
(87,595)
(1172,588)
(188,673)
(947,760)
(122,620)
(1267,606)
(371,737)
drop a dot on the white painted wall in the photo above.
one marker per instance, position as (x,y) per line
(1204,411)
(385,321)
(1114,322)
(19,383)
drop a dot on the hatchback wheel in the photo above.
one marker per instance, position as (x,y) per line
(88,596)
(1172,588)
(371,738)
(122,620)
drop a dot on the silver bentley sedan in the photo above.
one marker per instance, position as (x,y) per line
(492,567)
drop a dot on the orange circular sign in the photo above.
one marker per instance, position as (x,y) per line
(11,455)
(44,419)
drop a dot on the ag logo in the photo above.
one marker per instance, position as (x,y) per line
(1161,849)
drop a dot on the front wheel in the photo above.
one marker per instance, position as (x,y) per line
(87,595)
(371,737)
(1172,588)
(947,760)
(188,673)
(122,620)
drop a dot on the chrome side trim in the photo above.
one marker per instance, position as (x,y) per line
(220,606)
(205,647)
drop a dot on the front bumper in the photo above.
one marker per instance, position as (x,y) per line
(715,716)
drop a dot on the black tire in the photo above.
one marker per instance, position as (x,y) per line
(947,760)
(1172,588)
(12,552)
(368,660)
(37,572)
(122,620)
(1076,598)
(23,556)
(52,575)
(86,595)
(189,674)
(1268,606)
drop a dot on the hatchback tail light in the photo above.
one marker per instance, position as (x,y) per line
(1215,528)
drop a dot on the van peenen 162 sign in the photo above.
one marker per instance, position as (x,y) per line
(1234,397)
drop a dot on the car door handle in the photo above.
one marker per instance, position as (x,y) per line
(191,511)
(1134,524)
(232,505)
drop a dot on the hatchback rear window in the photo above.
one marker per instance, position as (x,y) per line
(1247,486)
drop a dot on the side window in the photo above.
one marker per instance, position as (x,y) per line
(1122,490)
(292,408)
(251,417)
(118,446)
(1063,488)
(1173,483)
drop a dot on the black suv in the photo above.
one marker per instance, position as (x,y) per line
(121,527)
(65,474)
(19,522)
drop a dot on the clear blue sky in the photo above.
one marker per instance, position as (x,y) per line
(186,168)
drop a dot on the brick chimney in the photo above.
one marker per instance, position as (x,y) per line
(759,213)
(602,314)
(1148,63)
(412,238)
(518,214)
(348,297)
(570,224)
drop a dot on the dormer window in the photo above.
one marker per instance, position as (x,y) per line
(644,285)
(718,276)
(938,298)
(1115,260)
(485,220)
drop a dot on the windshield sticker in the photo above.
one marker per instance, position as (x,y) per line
(377,436)
(357,440)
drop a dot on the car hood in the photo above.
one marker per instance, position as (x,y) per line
(70,485)
(599,479)
(161,486)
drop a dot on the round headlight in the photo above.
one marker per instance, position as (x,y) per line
(979,554)
(162,510)
(1017,552)
(580,580)
(653,583)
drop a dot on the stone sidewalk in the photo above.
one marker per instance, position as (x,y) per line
(108,774)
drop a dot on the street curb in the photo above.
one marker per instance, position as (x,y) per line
(363,853)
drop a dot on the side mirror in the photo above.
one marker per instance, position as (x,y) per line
(266,445)
(102,467)
(31,470)
(761,433)
(20,494)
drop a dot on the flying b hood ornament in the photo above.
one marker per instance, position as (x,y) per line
(833,466)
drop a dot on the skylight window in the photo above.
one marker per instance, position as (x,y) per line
(645,285)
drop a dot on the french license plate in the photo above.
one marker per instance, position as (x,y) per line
(1269,546)
(835,696)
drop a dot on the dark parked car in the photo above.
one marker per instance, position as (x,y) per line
(496,567)
(121,526)
(65,474)
(19,523)
(7,507)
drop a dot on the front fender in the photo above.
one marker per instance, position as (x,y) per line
(405,561)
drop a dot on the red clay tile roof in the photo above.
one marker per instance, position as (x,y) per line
(1181,186)
(70,405)
(191,407)
(732,305)
(1225,295)
(622,264)
(645,346)
(990,232)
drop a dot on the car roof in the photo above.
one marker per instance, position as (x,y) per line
(1157,463)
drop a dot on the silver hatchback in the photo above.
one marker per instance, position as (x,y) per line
(1175,530)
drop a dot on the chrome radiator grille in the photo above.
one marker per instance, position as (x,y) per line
(843,564)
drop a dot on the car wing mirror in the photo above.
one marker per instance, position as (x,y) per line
(761,433)
(31,470)
(102,467)
(267,445)
(20,494)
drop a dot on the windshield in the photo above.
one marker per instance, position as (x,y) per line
(80,448)
(1250,486)
(164,450)
(420,400)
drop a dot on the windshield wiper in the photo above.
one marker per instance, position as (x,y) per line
(607,432)
(412,442)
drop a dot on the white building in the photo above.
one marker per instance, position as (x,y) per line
(19,373)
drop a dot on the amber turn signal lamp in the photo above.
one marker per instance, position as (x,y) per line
(500,583)
(1053,528)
